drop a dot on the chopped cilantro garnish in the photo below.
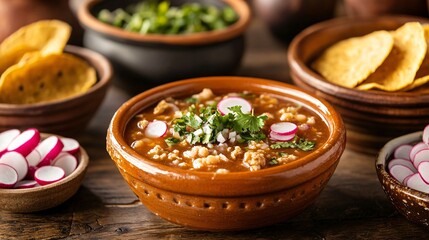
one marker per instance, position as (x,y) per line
(171,141)
(273,161)
(300,143)
(190,100)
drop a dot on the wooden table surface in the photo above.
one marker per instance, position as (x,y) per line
(352,206)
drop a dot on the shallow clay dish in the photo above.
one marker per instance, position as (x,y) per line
(372,117)
(48,196)
(231,201)
(67,116)
(413,204)
(152,59)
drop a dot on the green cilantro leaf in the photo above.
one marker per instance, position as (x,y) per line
(300,143)
(171,141)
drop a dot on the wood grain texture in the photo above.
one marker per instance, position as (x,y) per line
(352,206)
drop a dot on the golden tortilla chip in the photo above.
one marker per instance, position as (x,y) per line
(400,67)
(46,37)
(52,77)
(349,62)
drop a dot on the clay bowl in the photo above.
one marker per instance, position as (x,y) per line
(372,8)
(44,197)
(147,60)
(372,117)
(411,203)
(231,201)
(67,116)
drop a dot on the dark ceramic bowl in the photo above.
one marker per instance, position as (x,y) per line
(67,116)
(231,201)
(373,8)
(413,204)
(152,59)
(372,117)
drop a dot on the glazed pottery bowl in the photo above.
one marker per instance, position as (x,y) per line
(372,117)
(144,60)
(67,116)
(48,196)
(411,203)
(235,200)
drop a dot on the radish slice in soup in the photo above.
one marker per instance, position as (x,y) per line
(403,151)
(6,138)
(25,184)
(48,174)
(17,161)
(284,128)
(404,162)
(49,150)
(224,105)
(25,142)
(416,182)
(424,171)
(70,145)
(425,136)
(417,148)
(67,162)
(422,155)
(281,138)
(8,176)
(400,172)
(156,129)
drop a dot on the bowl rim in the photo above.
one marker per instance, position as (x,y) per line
(115,133)
(240,6)
(313,79)
(104,74)
(385,154)
(80,169)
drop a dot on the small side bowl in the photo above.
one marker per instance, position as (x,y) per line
(413,204)
(235,200)
(48,196)
(66,116)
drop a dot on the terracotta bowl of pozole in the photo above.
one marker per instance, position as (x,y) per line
(226,153)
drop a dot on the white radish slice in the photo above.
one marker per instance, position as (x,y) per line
(405,182)
(6,138)
(17,161)
(67,162)
(25,142)
(400,172)
(425,135)
(34,158)
(404,162)
(70,145)
(422,155)
(417,148)
(25,184)
(417,183)
(49,150)
(284,128)
(424,171)
(281,138)
(8,176)
(156,129)
(403,151)
(48,174)
(224,105)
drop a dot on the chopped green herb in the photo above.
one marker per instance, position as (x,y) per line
(273,161)
(300,143)
(283,154)
(171,141)
(191,100)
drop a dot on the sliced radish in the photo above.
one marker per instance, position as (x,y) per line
(8,176)
(70,145)
(425,135)
(404,162)
(30,173)
(34,158)
(400,172)
(284,128)
(67,162)
(48,174)
(49,150)
(405,182)
(417,183)
(25,142)
(417,148)
(224,105)
(6,138)
(424,171)
(17,161)
(403,151)
(422,155)
(25,184)
(156,129)
(281,138)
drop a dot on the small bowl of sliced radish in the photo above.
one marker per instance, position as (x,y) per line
(37,170)
(403,169)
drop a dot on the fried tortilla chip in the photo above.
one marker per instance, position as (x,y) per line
(52,77)
(349,62)
(46,37)
(400,67)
